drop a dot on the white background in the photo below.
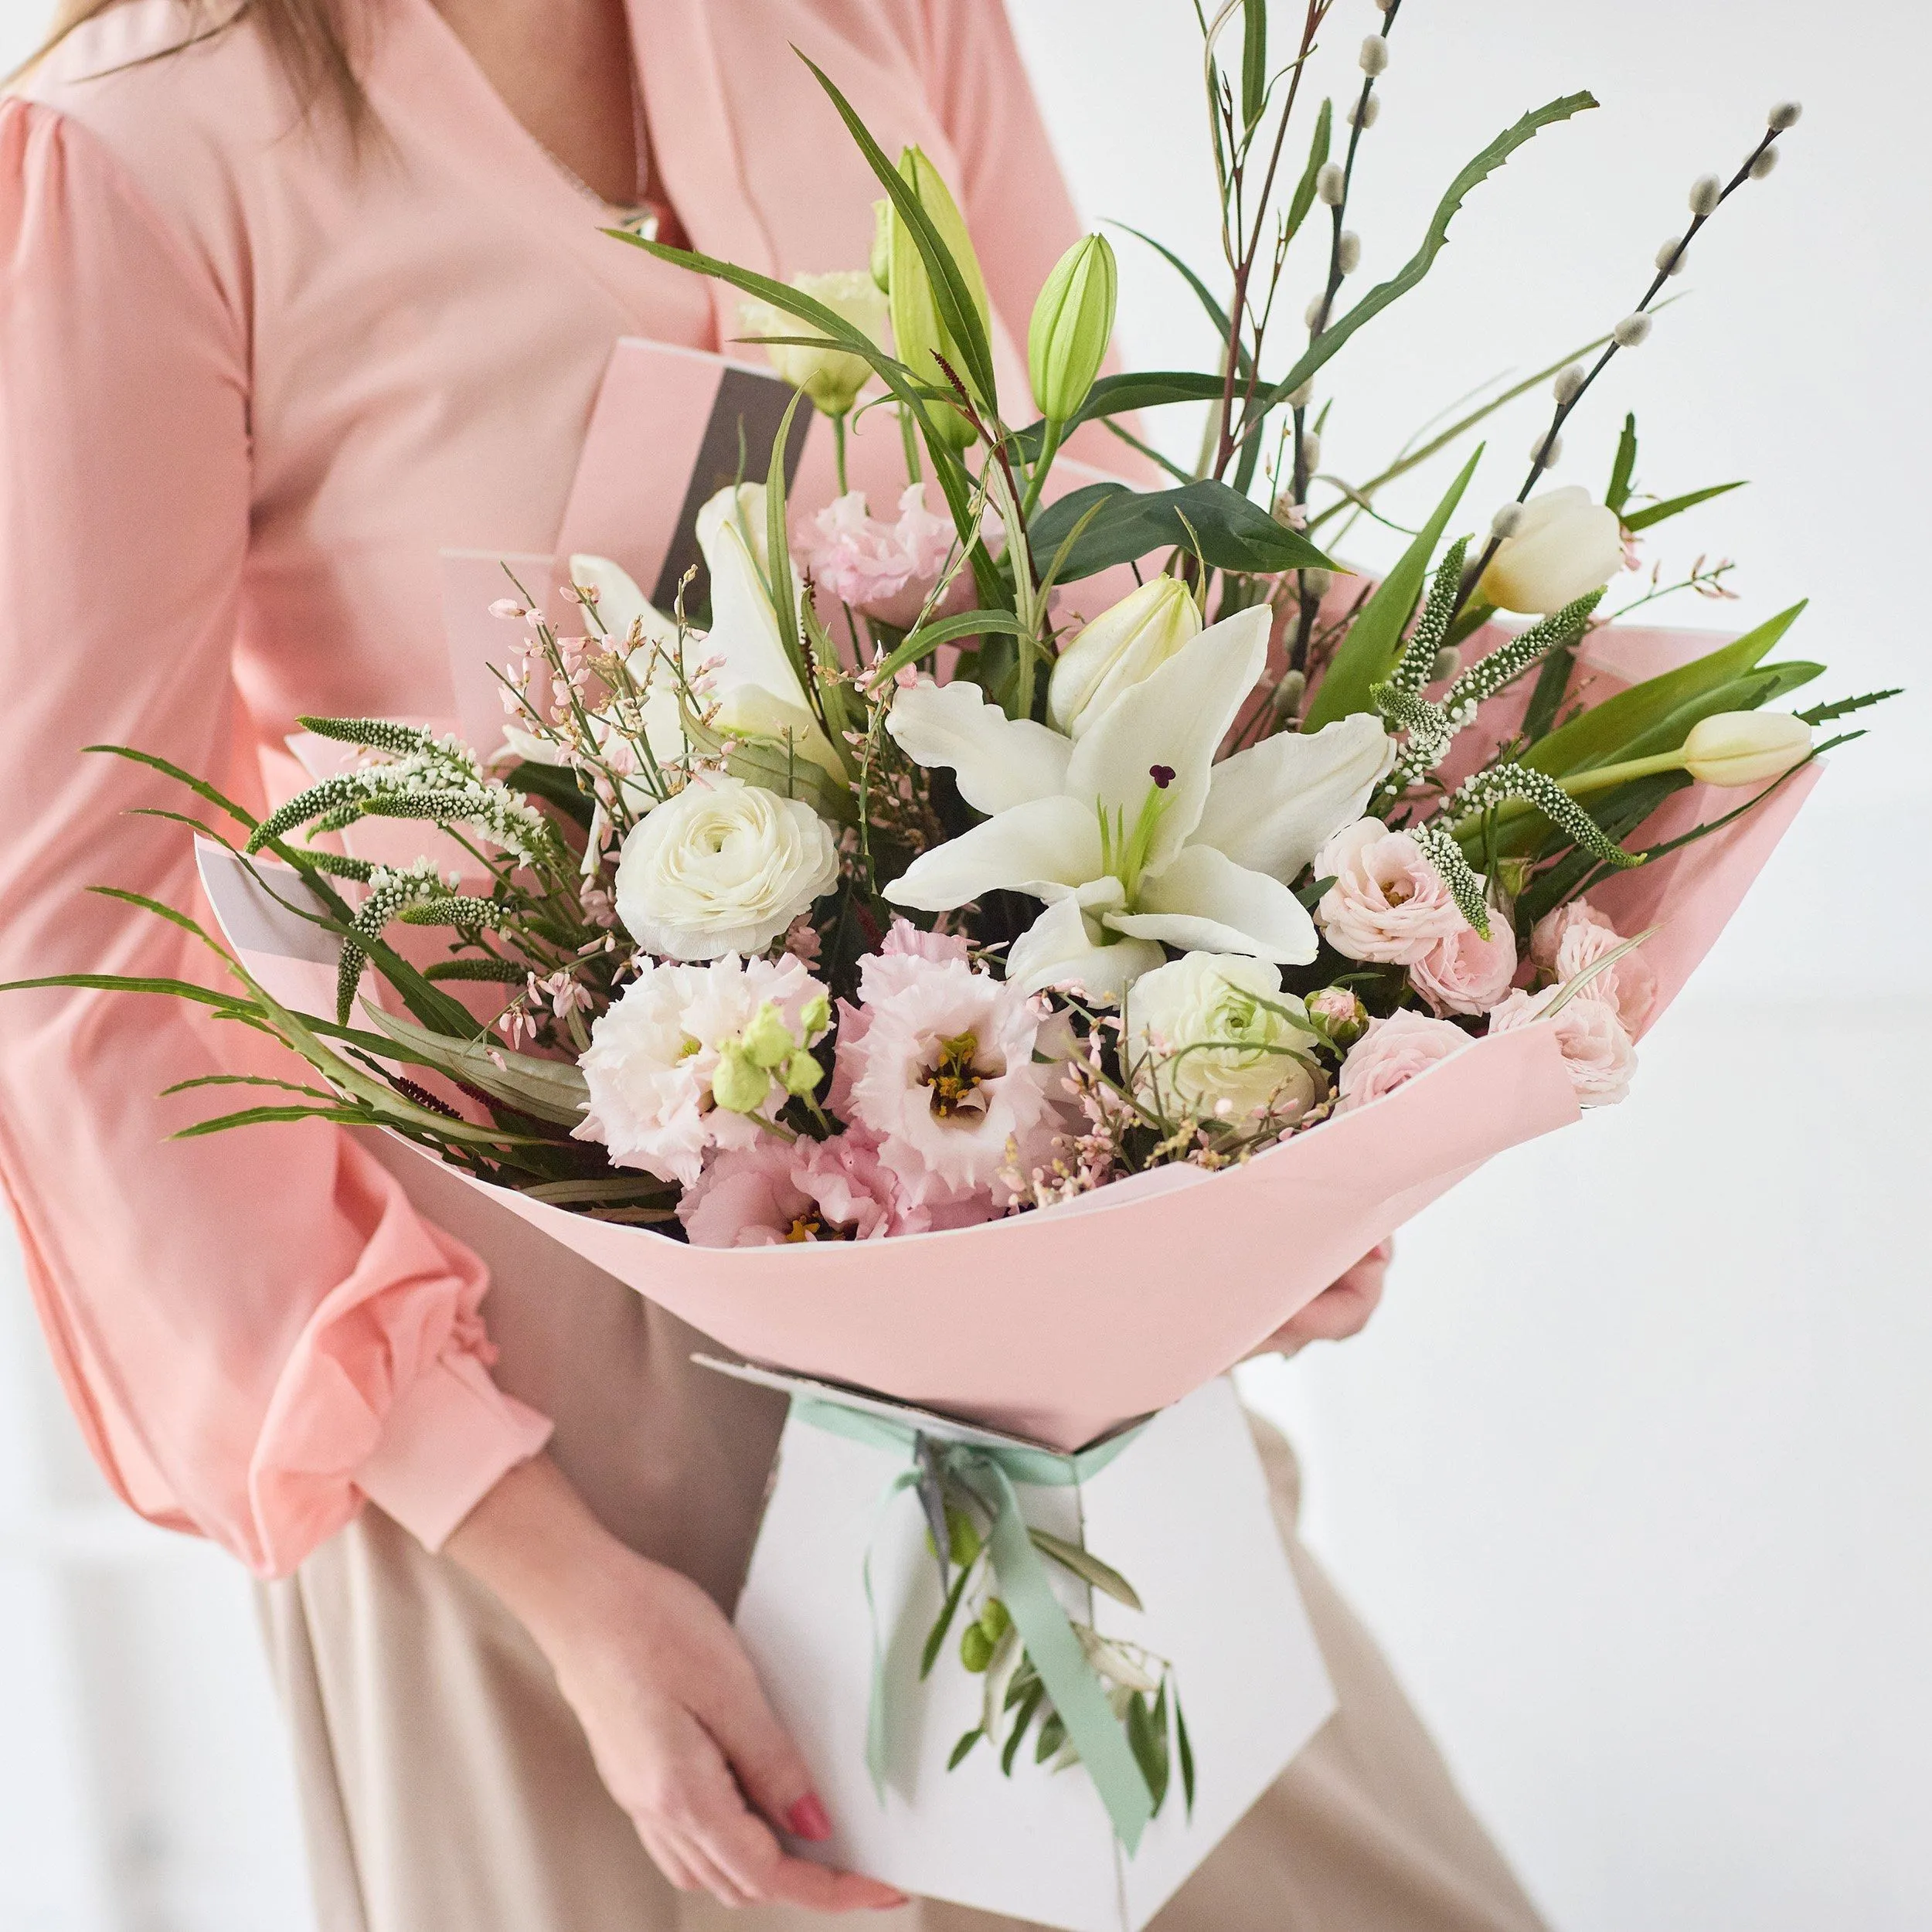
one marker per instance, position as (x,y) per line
(1632,1474)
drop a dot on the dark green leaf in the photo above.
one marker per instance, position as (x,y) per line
(1842,707)
(124,983)
(929,637)
(1186,1751)
(262,1116)
(935,1637)
(1024,1716)
(1676,505)
(1234,533)
(200,787)
(1552,687)
(1254,61)
(1365,655)
(1625,468)
(1412,271)
(1150,1750)
(965,1745)
(1052,1735)
(1303,199)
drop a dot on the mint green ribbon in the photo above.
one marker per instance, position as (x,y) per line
(990,1472)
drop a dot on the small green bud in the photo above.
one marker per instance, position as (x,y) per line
(975,1648)
(740,1085)
(882,246)
(995,1620)
(802,1073)
(767,1041)
(815,1017)
(1072,322)
(964,1537)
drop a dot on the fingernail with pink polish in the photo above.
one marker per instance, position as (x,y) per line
(808,1819)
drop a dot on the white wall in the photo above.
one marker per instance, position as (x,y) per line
(1630,1475)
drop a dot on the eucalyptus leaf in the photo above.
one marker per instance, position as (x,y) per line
(1233,532)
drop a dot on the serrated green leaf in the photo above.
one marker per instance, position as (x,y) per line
(1843,707)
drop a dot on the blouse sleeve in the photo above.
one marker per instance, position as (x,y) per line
(256,1329)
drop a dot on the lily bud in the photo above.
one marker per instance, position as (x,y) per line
(740,1085)
(1745,747)
(1560,546)
(1073,323)
(882,246)
(1123,644)
(831,377)
(920,335)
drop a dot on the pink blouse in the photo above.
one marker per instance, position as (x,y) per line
(248,389)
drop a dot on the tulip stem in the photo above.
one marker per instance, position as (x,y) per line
(1049,445)
(1580,785)
(838,450)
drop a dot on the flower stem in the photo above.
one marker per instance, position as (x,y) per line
(838,450)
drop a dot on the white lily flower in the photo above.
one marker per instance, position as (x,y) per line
(1133,835)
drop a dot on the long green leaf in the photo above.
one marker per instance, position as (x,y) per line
(1597,735)
(1234,532)
(929,637)
(551,1090)
(782,592)
(937,1635)
(200,787)
(1624,469)
(264,1116)
(951,294)
(1133,390)
(1088,1567)
(124,983)
(1215,312)
(1303,199)
(1364,657)
(1418,265)
(1676,505)
(1254,62)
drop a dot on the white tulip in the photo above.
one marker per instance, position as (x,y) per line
(831,377)
(1134,837)
(722,867)
(1119,648)
(1745,747)
(1213,1036)
(1561,546)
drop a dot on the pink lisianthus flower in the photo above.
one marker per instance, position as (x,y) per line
(886,570)
(1572,939)
(1391,1052)
(1466,973)
(905,941)
(1596,1046)
(747,1197)
(1388,903)
(936,1066)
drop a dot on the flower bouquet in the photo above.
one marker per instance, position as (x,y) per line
(952,1001)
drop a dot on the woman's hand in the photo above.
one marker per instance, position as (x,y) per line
(679,1728)
(1339,1312)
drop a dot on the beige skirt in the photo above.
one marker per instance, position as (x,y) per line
(445,1786)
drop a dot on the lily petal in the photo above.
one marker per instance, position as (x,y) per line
(1272,808)
(1205,902)
(744,629)
(1057,950)
(999,761)
(1049,847)
(1173,718)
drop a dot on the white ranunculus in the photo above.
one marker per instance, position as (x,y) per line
(1213,1035)
(1121,646)
(831,377)
(1563,546)
(723,867)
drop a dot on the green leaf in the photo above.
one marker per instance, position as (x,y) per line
(602,1187)
(1184,1750)
(556,785)
(1234,532)
(1087,1566)
(1843,707)
(1052,1735)
(125,983)
(1116,395)
(929,637)
(200,787)
(1215,313)
(1625,468)
(553,1091)
(1598,736)
(935,1637)
(1364,657)
(264,1116)
(1303,199)
(777,767)
(1676,505)
(1030,1703)
(1254,62)
(778,584)
(963,1748)
(952,298)
(1551,686)
(1149,1749)
(1418,265)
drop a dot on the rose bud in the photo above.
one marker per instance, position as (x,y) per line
(1746,747)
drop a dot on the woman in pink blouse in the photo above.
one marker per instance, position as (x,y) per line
(294,295)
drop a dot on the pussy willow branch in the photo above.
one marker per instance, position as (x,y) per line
(1669,267)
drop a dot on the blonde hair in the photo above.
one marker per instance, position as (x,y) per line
(310,39)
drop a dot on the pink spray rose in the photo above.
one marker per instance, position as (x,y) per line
(1388,903)
(886,570)
(1391,1051)
(1595,1047)
(936,1065)
(1466,973)
(1572,939)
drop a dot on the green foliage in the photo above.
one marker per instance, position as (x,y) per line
(1674,506)
(1624,469)
(1232,533)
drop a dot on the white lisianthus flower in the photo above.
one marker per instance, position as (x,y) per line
(831,377)
(1213,1036)
(1121,646)
(654,1056)
(723,867)
(1561,546)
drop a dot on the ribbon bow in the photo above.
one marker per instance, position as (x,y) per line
(990,1471)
